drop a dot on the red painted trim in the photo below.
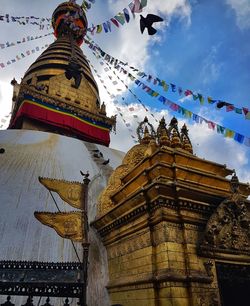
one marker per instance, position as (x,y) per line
(64,121)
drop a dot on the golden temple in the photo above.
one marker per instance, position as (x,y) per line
(176,230)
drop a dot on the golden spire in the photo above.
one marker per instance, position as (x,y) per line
(186,143)
(146,137)
(162,134)
(143,132)
(60,81)
(175,139)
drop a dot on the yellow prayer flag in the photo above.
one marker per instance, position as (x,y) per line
(229,133)
(99,28)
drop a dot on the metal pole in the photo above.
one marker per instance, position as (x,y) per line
(85,244)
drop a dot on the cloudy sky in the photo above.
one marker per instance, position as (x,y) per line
(202,45)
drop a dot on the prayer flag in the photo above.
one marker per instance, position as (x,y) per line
(162,99)
(132,8)
(173,87)
(99,28)
(144,3)
(188,92)
(245,110)
(248,115)
(196,118)
(180,91)
(220,129)
(120,18)
(201,98)
(115,22)
(238,110)
(137,7)
(239,138)
(211,125)
(229,108)
(126,14)
(155,94)
(247,142)
(164,85)
(229,133)
(107,26)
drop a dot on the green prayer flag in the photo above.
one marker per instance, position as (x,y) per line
(238,110)
(144,3)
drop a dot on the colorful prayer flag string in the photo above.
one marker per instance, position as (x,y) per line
(23,40)
(121,18)
(133,94)
(127,124)
(242,139)
(229,107)
(22,55)
(24,20)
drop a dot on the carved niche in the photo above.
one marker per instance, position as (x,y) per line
(228,229)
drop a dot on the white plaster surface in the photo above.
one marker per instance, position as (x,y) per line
(28,155)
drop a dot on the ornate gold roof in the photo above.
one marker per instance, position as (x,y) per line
(165,159)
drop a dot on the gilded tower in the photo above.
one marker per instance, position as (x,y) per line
(58,92)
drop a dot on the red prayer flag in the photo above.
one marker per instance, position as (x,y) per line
(115,22)
(188,92)
(245,110)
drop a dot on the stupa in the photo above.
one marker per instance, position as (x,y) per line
(157,226)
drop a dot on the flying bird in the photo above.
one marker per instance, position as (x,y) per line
(106,162)
(148,22)
(84,174)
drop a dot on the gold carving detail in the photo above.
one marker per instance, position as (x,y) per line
(131,159)
(67,225)
(71,192)
(229,226)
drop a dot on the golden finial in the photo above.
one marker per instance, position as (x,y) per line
(143,132)
(162,134)
(175,139)
(186,143)
(146,137)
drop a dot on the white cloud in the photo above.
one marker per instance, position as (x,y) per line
(133,46)
(214,147)
(211,67)
(242,11)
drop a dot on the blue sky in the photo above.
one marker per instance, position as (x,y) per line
(202,46)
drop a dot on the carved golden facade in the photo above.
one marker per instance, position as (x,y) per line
(173,225)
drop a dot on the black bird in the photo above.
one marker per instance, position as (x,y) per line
(148,22)
(73,70)
(84,174)
(106,162)
(2,150)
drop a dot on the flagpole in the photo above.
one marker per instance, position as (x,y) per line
(85,243)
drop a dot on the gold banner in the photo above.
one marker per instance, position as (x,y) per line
(71,192)
(68,225)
